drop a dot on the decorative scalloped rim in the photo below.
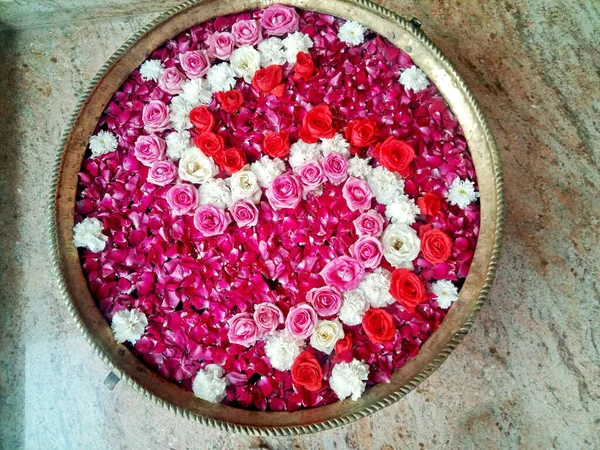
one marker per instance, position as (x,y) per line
(368,410)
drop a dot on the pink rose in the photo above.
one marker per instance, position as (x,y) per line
(155,116)
(170,81)
(182,198)
(278,20)
(245,213)
(300,321)
(369,223)
(358,194)
(210,220)
(335,167)
(162,173)
(268,317)
(285,191)
(326,300)
(194,63)
(247,32)
(311,175)
(149,149)
(243,330)
(220,45)
(343,273)
(368,251)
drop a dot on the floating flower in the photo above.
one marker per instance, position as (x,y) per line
(182,198)
(376,288)
(326,301)
(245,61)
(196,167)
(349,379)
(300,321)
(337,144)
(271,52)
(247,32)
(352,33)
(230,101)
(446,293)
(210,220)
(243,330)
(244,185)
(267,316)
(462,193)
(295,43)
(149,149)
(102,143)
(88,233)
(232,160)
(210,384)
(378,325)
(311,174)
(402,210)
(266,170)
(359,167)
(335,168)
(430,204)
(194,63)
(368,251)
(436,246)
(278,20)
(177,143)
(306,372)
(129,325)
(343,273)
(401,244)
(162,173)
(326,335)
(369,223)
(202,119)
(414,79)
(155,116)
(305,66)
(317,124)
(358,194)
(386,186)
(282,350)
(407,288)
(302,152)
(285,192)
(151,69)
(196,91)
(362,132)
(170,81)
(209,143)
(269,79)
(215,192)
(221,45)
(395,155)
(221,77)
(277,144)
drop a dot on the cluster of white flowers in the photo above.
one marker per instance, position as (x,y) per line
(210,384)
(337,144)
(282,350)
(402,210)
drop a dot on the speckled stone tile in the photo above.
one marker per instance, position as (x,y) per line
(528,375)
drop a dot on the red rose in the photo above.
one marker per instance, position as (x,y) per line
(361,132)
(306,372)
(231,160)
(343,349)
(305,66)
(230,101)
(395,155)
(202,119)
(277,145)
(407,289)
(436,246)
(430,204)
(379,325)
(317,124)
(209,143)
(269,79)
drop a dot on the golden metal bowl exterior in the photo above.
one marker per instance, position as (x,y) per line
(457,323)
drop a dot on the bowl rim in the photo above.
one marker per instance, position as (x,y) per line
(433,353)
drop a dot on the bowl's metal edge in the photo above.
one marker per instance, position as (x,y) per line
(332,423)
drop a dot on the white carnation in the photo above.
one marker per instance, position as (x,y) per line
(196,167)
(352,33)
(337,144)
(267,169)
(354,307)
(88,233)
(295,43)
(402,210)
(129,325)
(282,350)
(152,69)
(103,142)
(220,77)
(245,61)
(196,91)
(349,379)
(215,192)
(386,186)
(177,143)
(376,287)
(301,152)
(210,384)
(179,113)
(462,193)
(271,52)
(244,185)
(414,79)
(359,167)
(326,334)
(401,245)
(446,293)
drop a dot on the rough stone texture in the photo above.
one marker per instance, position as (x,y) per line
(526,377)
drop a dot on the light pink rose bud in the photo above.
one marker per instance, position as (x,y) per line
(343,273)
(268,317)
(358,194)
(194,63)
(311,175)
(221,45)
(170,81)
(210,220)
(369,223)
(285,191)
(243,330)
(162,173)
(278,20)
(368,251)
(149,149)
(182,198)
(335,167)
(326,300)
(155,116)
(300,321)
(247,32)
(245,213)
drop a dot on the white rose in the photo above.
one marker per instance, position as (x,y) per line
(245,61)
(244,184)
(210,384)
(401,245)
(326,334)
(196,167)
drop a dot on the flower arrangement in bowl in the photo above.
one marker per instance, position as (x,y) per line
(276,210)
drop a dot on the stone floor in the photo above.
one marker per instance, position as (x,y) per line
(528,375)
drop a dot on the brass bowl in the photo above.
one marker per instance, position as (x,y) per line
(456,324)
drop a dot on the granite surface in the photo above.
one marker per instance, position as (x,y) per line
(528,375)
